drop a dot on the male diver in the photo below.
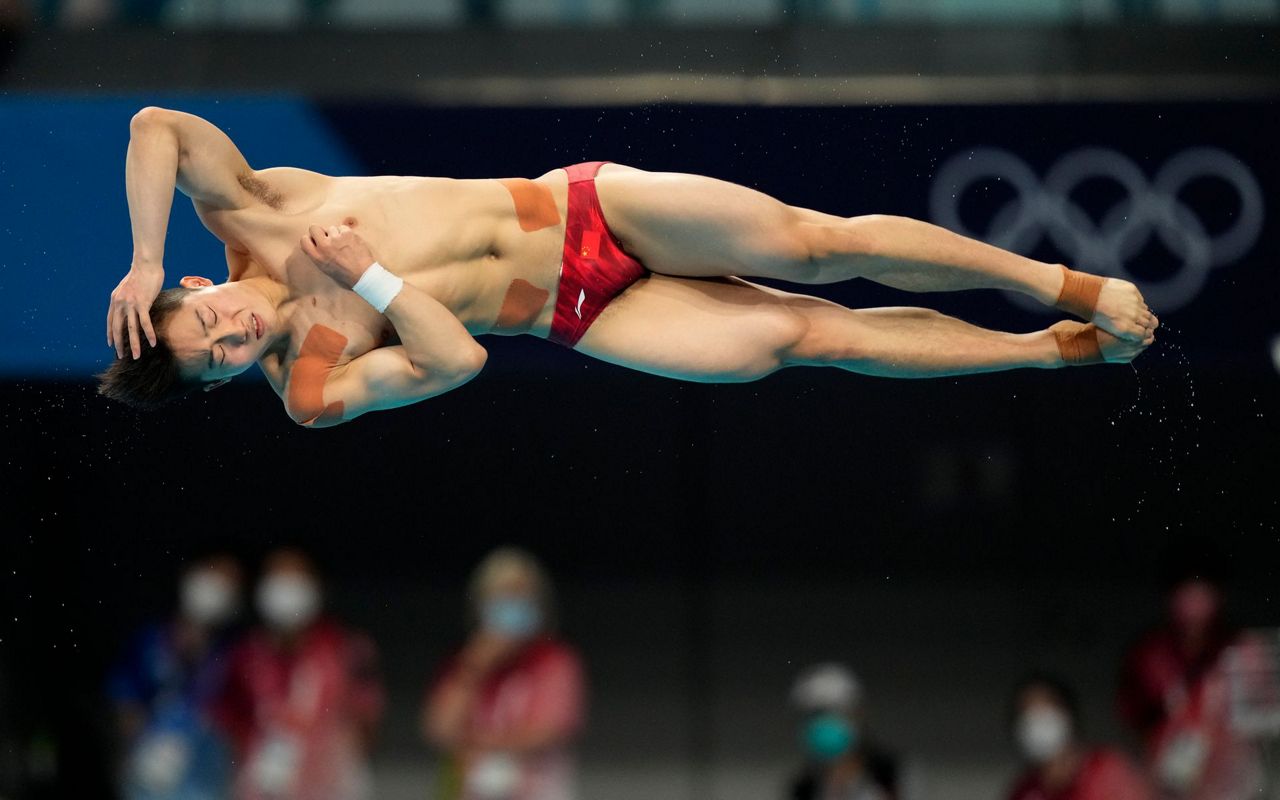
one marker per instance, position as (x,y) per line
(357,294)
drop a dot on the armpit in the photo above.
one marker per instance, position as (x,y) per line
(261,190)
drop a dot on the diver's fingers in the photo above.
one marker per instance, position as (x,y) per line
(308,246)
(144,317)
(134,344)
(119,326)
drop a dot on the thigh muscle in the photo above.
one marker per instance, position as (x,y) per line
(700,330)
(691,225)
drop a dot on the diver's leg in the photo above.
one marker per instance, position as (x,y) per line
(730,330)
(691,225)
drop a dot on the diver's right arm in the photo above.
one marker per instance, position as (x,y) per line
(167,150)
(436,354)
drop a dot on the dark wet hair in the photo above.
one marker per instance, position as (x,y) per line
(154,378)
(1057,688)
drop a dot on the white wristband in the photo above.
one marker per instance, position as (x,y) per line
(378,287)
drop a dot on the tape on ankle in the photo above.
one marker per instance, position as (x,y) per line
(378,287)
(1079,293)
(1079,346)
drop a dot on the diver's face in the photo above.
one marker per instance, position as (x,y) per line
(221,330)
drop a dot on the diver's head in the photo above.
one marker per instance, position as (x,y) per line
(206,334)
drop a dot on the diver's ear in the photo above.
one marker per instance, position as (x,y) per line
(209,387)
(195,282)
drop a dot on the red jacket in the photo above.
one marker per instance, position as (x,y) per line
(1104,775)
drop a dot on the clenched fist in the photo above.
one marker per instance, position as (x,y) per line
(339,252)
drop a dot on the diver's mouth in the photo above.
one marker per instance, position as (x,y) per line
(259,327)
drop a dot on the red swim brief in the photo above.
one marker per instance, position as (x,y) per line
(595,268)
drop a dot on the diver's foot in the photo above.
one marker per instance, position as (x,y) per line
(1122,312)
(1112,304)
(1080,343)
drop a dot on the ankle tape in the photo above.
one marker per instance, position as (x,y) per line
(1079,295)
(1079,346)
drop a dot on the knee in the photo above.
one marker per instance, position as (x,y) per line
(780,334)
(828,342)
(812,247)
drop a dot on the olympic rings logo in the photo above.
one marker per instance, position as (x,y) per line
(1045,207)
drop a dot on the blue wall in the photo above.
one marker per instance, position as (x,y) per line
(66,226)
(66,223)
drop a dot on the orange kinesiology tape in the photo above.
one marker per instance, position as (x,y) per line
(535,206)
(1079,293)
(1079,345)
(320,353)
(521,307)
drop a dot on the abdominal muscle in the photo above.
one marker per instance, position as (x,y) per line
(488,250)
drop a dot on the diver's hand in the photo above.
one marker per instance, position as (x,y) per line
(339,252)
(130,308)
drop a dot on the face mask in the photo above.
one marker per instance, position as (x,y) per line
(1042,733)
(288,602)
(513,617)
(207,598)
(829,736)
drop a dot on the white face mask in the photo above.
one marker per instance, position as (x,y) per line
(1042,733)
(208,598)
(288,601)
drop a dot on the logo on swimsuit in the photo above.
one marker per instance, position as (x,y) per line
(1041,208)
(582,295)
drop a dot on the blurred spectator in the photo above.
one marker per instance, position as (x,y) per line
(507,705)
(303,697)
(1046,728)
(164,686)
(842,761)
(1174,694)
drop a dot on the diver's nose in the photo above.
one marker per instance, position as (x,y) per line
(233,330)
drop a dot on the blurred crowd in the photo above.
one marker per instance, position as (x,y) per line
(288,708)
(1184,688)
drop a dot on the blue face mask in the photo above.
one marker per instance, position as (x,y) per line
(514,617)
(829,736)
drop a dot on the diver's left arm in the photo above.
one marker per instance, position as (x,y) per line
(436,353)
(167,150)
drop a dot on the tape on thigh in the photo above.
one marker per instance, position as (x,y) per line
(535,206)
(320,353)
